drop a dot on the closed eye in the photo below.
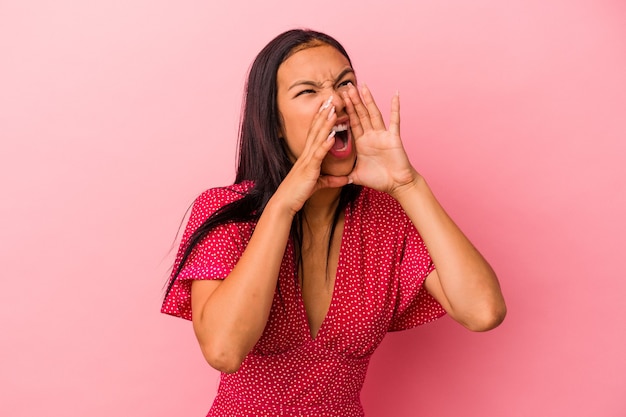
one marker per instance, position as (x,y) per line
(309,91)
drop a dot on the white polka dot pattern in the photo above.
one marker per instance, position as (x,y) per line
(382,266)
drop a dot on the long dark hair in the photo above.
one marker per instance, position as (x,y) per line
(263,158)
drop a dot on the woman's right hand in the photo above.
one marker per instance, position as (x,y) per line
(230,315)
(305,176)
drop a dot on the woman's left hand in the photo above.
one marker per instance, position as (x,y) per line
(382,162)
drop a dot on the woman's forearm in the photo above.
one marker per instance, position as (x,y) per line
(464,282)
(231,318)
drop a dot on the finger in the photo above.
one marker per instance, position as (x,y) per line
(394,119)
(321,126)
(355,123)
(359,107)
(375,117)
(322,142)
(308,166)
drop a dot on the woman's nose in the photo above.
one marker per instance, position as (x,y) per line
(337,101)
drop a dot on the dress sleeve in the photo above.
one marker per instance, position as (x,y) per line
(414,306)
(213,258)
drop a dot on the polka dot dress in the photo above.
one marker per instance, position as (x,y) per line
(378,288)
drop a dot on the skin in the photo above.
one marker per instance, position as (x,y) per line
(229,315)
(303,86)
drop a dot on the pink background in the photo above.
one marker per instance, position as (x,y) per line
(115,115)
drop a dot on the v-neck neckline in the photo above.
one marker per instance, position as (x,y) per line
(336,285)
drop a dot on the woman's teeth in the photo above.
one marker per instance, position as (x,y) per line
(340,127)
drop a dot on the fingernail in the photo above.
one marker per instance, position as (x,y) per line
(331,135)
(326,104)
(331,113)
(350,180)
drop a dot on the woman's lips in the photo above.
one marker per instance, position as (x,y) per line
(342,148)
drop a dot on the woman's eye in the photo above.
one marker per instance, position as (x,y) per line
(345,83)
(305,92)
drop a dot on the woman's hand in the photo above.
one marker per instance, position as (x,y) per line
(382,162)
(305,177)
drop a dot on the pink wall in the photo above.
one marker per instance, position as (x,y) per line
(115,115)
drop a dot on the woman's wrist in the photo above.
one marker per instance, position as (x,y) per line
(411,189)
(279,208)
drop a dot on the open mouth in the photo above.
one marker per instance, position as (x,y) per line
(342,148)
(342,136)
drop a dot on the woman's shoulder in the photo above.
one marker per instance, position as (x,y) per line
(223,195)
(215,198)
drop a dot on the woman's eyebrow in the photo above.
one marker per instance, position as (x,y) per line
(319,85)
(343,74)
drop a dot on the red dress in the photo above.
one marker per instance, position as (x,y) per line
(378,288)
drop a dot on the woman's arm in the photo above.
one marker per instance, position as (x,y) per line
(229,315)
(463,282)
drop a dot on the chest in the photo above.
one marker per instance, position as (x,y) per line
(345,306)
(317,273)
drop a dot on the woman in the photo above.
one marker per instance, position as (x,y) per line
(328,239)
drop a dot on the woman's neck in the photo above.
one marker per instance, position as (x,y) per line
(320,207)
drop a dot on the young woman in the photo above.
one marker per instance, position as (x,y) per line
(328,239)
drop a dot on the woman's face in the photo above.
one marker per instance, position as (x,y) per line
(304,81)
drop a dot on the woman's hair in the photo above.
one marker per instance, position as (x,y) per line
(263,157)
